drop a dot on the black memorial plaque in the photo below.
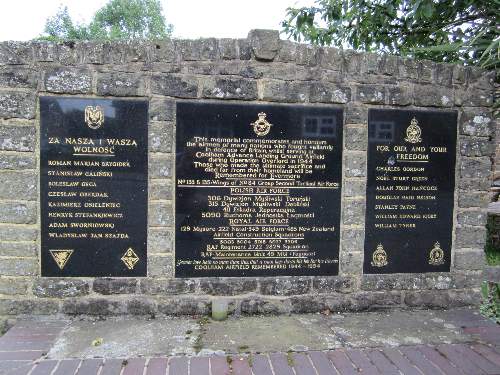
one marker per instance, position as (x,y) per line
(410,191)
(257,190)
(93,186)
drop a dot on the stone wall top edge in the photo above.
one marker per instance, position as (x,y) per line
(26,52)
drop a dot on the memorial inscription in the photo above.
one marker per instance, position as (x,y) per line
(93,187)
(410,191)
(257,190)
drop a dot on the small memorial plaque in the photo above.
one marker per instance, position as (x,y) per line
(257,190)
(410,191)
(93,186)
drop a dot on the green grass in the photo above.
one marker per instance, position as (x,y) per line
(492,248)
(490,307)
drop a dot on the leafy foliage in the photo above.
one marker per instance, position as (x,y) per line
(440,30)
(490,307)
(118,19)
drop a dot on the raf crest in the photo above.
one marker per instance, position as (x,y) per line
(130,258)
(61,257)
(261,126)
(94,116)
(379,257)
(436,255)
(413,132)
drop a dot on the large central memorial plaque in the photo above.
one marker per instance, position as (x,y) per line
(410,191)
(257,190)
(93,186)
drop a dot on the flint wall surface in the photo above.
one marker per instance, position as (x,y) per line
(258,69)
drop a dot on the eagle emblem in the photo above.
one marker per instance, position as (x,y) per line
(94,116)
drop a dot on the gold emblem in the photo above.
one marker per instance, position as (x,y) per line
(94,116)
(379,257)
(436,255)
(61,257)
(261,126)
(130,258)
(413,132)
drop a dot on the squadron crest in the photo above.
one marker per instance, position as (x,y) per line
(94,116)
(436,255)
(413,132)
(261,126)
(379,257)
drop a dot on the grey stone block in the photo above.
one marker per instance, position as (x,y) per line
(227,48)
(287,51)
(261,306)
(471,146)
(306,54)
(442,298)
(474,98)
(371,94)
(18,77)
(160,214)
(356,137)
(470,237)
(356,113)
(14,182)
(284,91)
(352,62)
(480,78)
(160,136)
(184,306)
(164,51)
(17,138)
(392,282)
(354,211)
(18,249)
(121,84)
(331,59)
(68,81)
(93,306)
(60,288)
(354,188)
(432,96)
(408,69)
(93,52)
(18,267)
(475,167)
(16,53)
(160,240)
(469,184)
(310,304)
(227,287)
(477,122)
(199,49)
(18,233)
(473,199)
(162,109)
(167,287)
(355,164)
(443,74)
(18,213)
(109,286)
(470,259)
(66,53)
(351,263)
(230,88)
(399,95)
(13,286)
(264,44)
(335,284)
(475,217)
(321,92)
(174,85)
(352,240)
(160,266)
(17,104)
(141,306)
(375,300)
(160,166)
(244,48)
(285,286)
(28,307)
(160,190)
(17,161)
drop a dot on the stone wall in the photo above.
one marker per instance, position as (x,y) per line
(259,69)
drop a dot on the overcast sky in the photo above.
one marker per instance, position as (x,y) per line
(25,19)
